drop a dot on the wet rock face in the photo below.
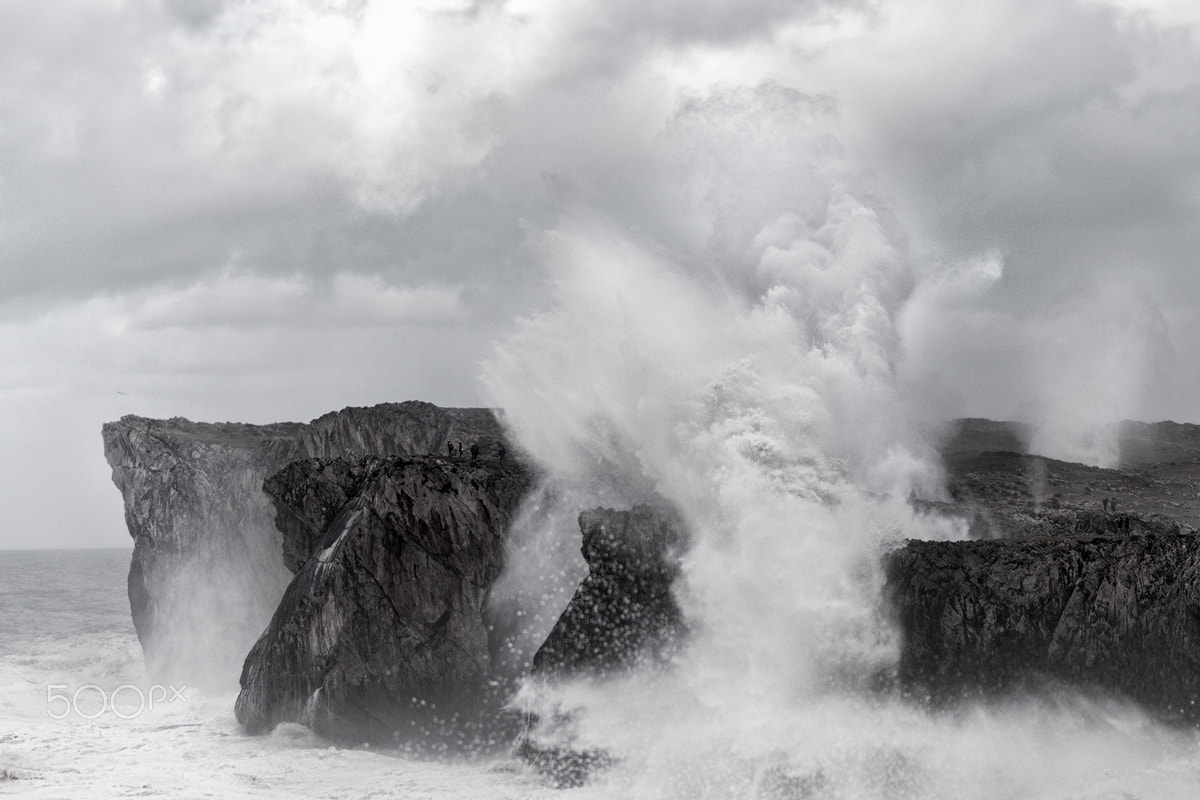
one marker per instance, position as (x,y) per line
(1084,575)
(207,570)
(383,634)
(307,495)
(622,616)
(624,611)
(1119,613)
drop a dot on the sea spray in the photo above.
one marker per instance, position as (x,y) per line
(1097,357)
(712,413)
(751,385)
(748,378)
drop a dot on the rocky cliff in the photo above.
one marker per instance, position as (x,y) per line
(207,569)
(383,635)
(1078,574)
(623,612)
(1083,575)
(1117,613)
(622,616)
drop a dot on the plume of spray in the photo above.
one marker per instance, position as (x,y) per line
(740,364)
(750,383)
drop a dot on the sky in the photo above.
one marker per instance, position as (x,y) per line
(269,209)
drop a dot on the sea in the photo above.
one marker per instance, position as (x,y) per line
(79,718)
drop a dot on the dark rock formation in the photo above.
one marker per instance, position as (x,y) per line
(1118,613)
(307,495)
(1088,576)
(383,635)
(207,572)
(623,615)
(623,612)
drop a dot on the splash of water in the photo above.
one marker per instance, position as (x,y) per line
(752,386)
(747,376)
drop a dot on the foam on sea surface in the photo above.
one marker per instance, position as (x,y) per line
(67,625)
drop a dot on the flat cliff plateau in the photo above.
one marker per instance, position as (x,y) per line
(1009,491)
(207,570)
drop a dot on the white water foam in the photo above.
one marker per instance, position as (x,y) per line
(68,635)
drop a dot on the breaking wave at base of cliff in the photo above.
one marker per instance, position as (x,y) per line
(750,383)
(77,718)
(664,743)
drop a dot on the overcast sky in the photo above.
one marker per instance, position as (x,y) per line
(263,210)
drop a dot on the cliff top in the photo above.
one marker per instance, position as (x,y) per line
(187,426)
(411,426)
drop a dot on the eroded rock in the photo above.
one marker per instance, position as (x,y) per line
(623,612)
(623,616)
(207,570)
(1118,613)
(384,635)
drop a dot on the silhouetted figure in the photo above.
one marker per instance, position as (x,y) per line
(474,450)
(460,449)
(1104,502)
(450,449)
(500,451)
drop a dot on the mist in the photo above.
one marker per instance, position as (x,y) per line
(760,368)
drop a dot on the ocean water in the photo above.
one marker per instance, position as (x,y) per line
(80,719)
(66,626)
(67,643)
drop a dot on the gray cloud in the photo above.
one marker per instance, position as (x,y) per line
(195,13)
(1062,138)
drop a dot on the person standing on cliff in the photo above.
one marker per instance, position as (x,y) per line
(450,449)
(500,451)
(474,450)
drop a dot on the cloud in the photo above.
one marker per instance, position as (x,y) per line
(237,325)
(245,300)
(1059,138)
(135,147)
